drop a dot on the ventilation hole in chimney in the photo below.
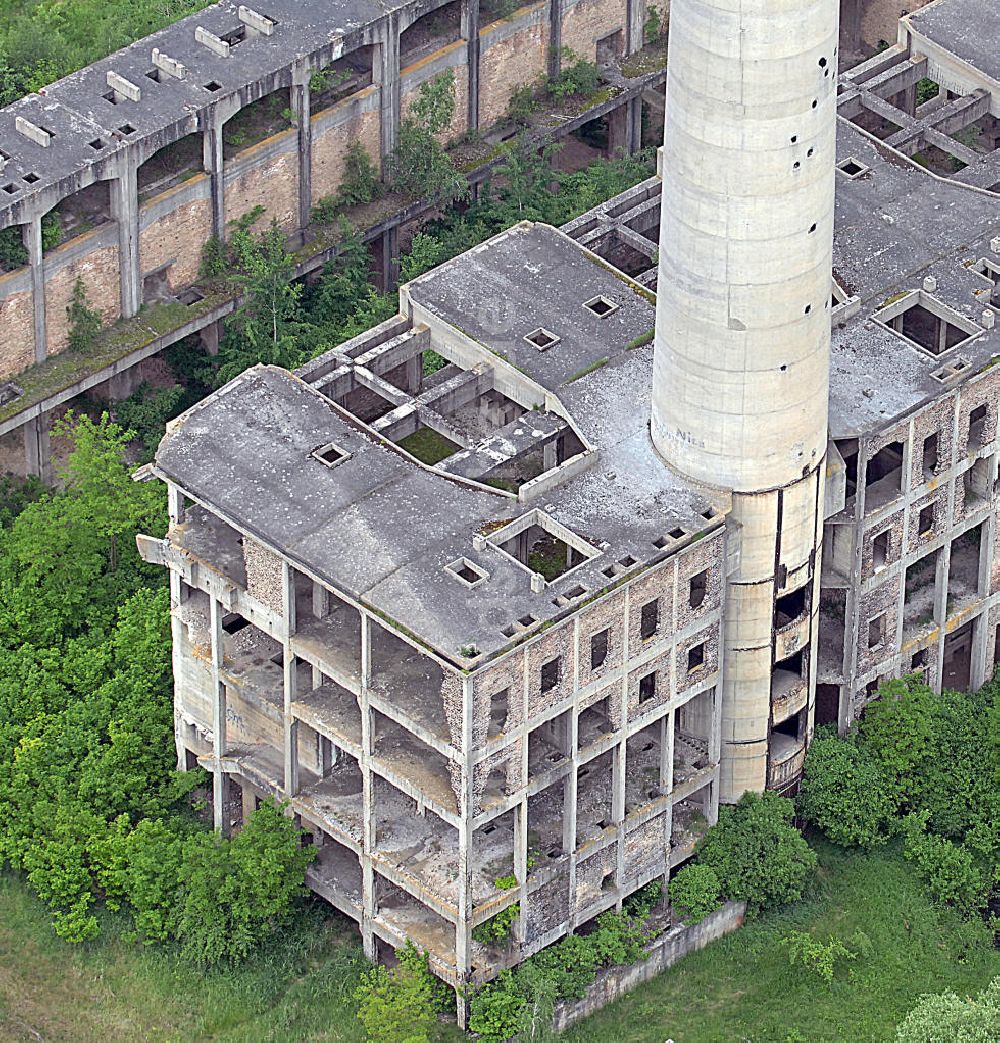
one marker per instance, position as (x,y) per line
(809,154)
(784,367)
(795,166)
(822,63)
(812,228)
(815,103)
(795,138)
(809,308)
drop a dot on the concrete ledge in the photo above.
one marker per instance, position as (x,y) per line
(662,953)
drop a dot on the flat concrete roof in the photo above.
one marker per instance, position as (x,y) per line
(382,528)
(969,29)
(895,225)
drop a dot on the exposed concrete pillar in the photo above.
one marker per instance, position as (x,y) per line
(635,23)
(215,167)
(302,109)
(625,128)
(387,260)
(209,336)
(463,929)
(741,361)
(125,211)
(290,677)
(385,68)
(32,237)
(470,33)
(368,838)
(38,448)
(555,37)
(219,740)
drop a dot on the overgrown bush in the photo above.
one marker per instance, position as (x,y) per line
(695,892)
(757,854)
(400,1003)
(952,871)
(819,958)
(84,321)
(519,1003)
(845,792)
(947,1018)
(576,76)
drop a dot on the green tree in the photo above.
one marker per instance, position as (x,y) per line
(420,166)
(820,958)
(235,894)
(695,891)
(947,1018)
(759,857)
(846,794)
(399,1003)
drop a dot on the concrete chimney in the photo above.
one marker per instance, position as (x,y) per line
(742,346)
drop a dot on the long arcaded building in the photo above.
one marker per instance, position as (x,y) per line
(697,476)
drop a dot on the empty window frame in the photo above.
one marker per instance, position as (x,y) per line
(696,657)
(649,619)
(550,674)
(877,629)
(599,649)
(697,589)
(647,687)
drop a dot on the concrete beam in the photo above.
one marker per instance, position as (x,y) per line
(125,211)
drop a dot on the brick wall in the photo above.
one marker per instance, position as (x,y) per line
(587,21)
(509,58)
(267,175)
(17,348)
(97,265)
(174,226)
(354,119)
(414,76)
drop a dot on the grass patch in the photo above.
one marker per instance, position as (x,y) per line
(743,987)
(428,446)
(111,990)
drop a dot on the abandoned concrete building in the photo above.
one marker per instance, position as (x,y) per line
(701,469)
(695,477)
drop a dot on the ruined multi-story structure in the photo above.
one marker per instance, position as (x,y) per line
(140,159)
(692,479)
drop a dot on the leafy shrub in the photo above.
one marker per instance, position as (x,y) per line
(695,891)
(758,855)
(13,252)
(523,104)
(576,77)
(84,321)
(496,930)
(520,1003)
(951,1018)
(642,902)
(950,869)
(400,1003)
(146,412)
(821,958)
(846,794)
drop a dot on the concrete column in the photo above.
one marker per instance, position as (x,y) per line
(387,260)
(291,726)
(368,838)
(125,211)
(302,109)
(210,337)
(219,742)
(463,929)
(741,358)
(625,128)
(635,21)
(38,448)
(32,237)
(215,167)
(385,69)
(470,33)
(555,37)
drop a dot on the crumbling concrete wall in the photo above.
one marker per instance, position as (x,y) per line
(17,318)
(93,259)
(660,954)
(263,575)
(587,21)
(513,53)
